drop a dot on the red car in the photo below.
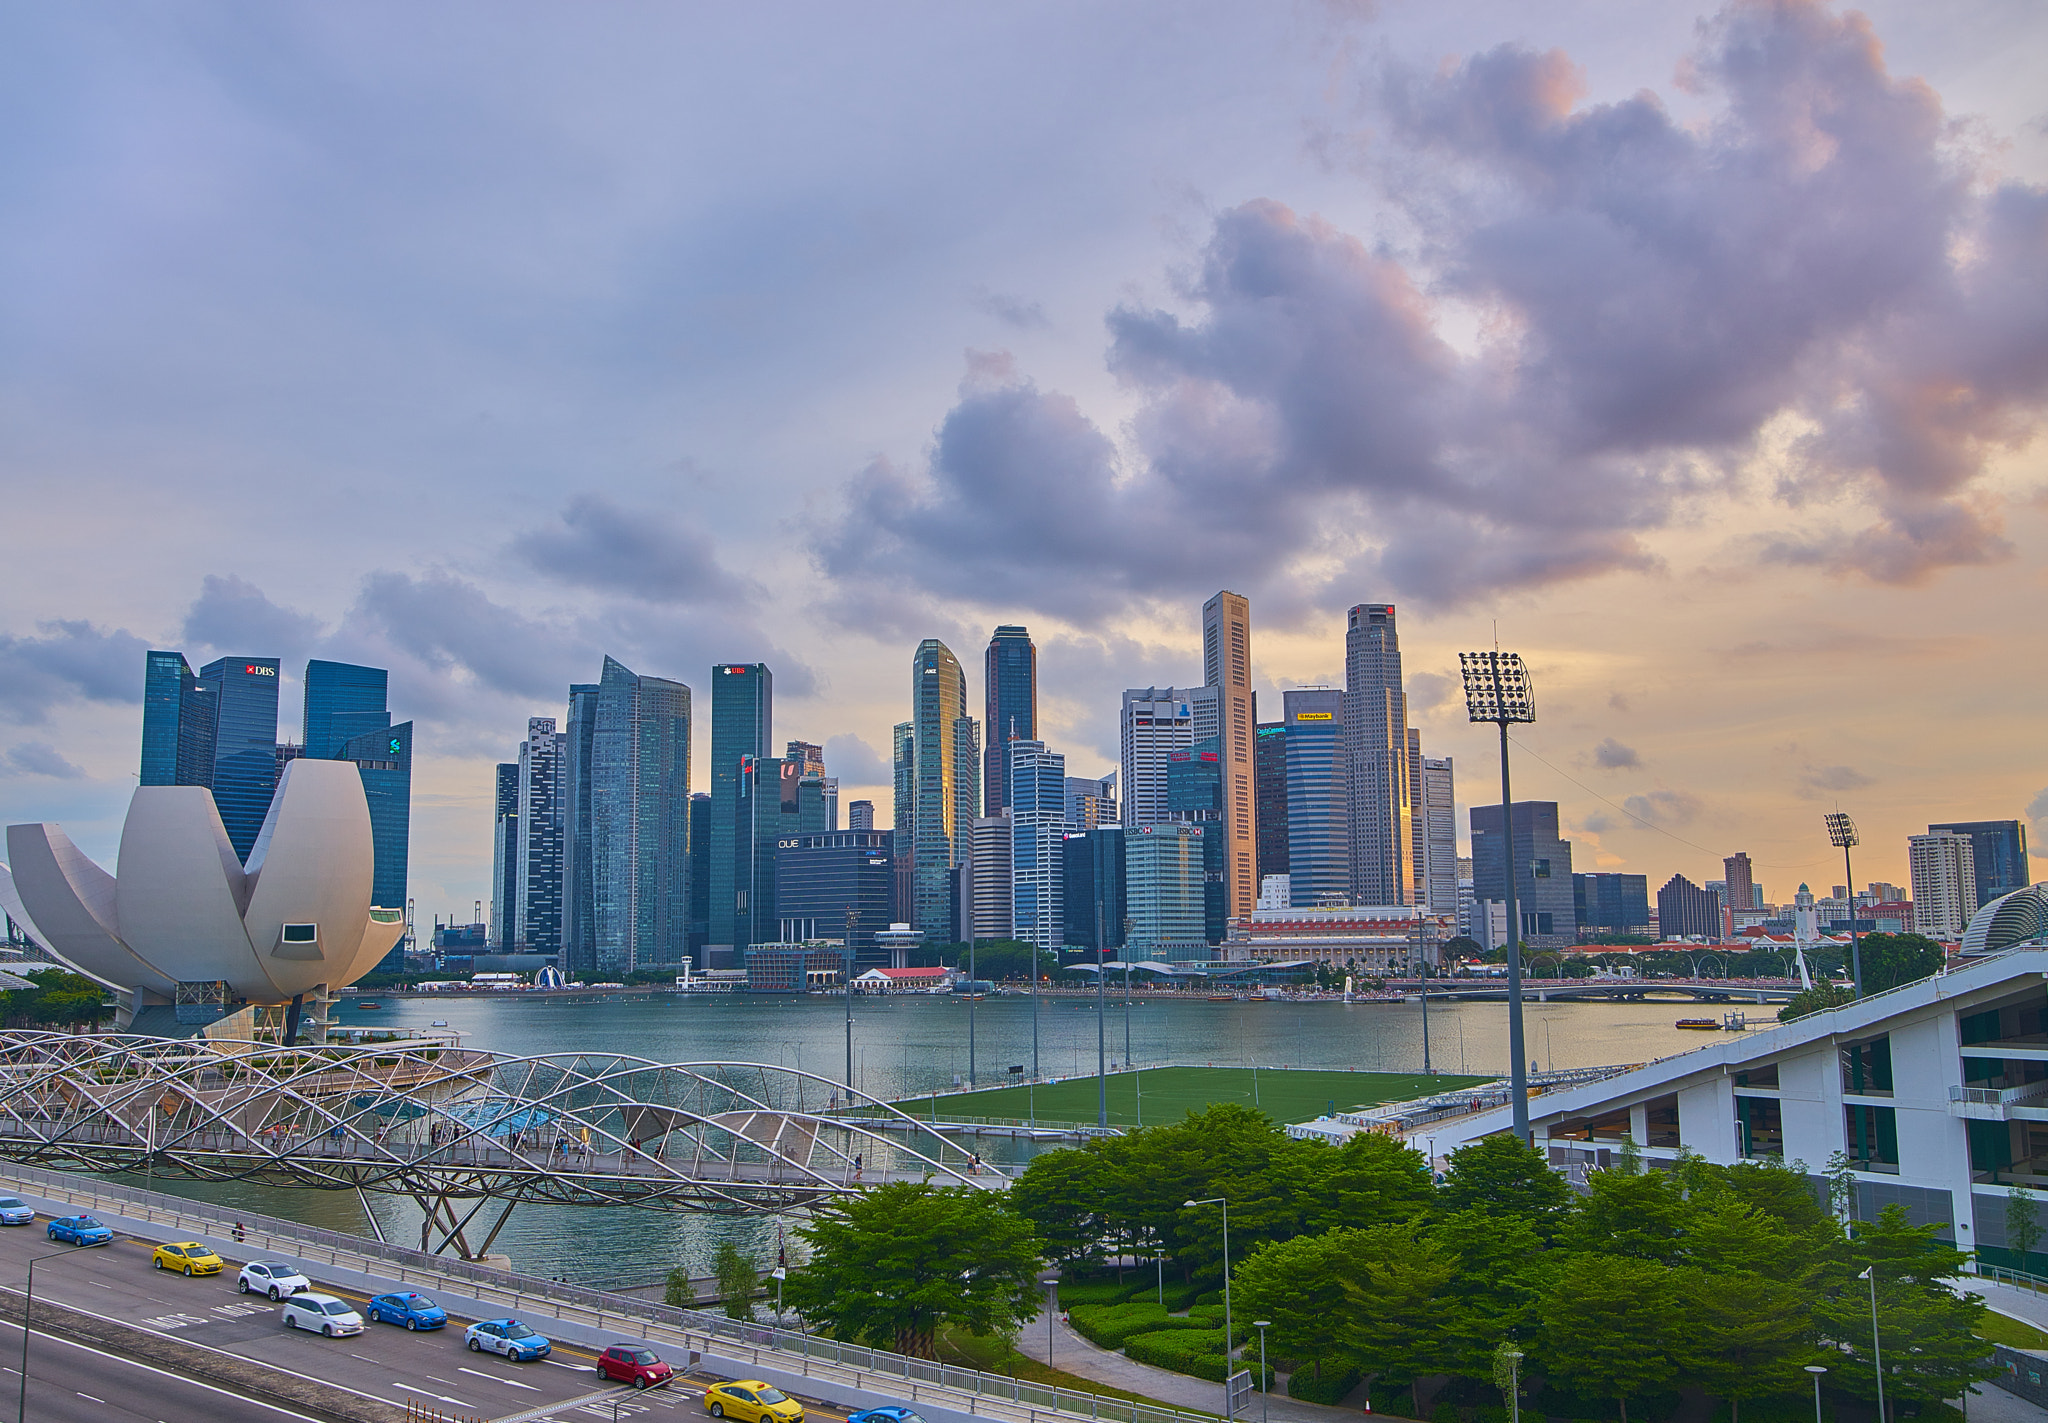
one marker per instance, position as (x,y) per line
(635,1364)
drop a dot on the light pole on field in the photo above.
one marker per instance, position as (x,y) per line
(1497,690)
(1842,834)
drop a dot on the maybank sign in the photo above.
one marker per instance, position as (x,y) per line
(1315,716)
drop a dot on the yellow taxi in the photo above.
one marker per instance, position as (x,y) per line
(752,1401)
(187,1257)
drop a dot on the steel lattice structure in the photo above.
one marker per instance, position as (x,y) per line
(442,1124)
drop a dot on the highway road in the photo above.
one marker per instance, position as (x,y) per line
(384,1362)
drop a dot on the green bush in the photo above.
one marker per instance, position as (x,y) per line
(1490,1413)
(1446,1413)
(1330,1388)
(1214,1297)
(1397,1400)
(1099,1291)
(1108,1326)
(1197,1352)
(1797,1408)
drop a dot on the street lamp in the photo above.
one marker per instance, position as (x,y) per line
(852,923)
(1497,690)
(780,1275)
(1842,832)
(1262,1325)
(28,1308)
(1816,1370)
(1229,1336)
(1876,1348)
(1051,1280)
(1514,1358)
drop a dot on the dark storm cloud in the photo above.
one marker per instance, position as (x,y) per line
(642,553)
(1652,295)
(70,661)
(235,617)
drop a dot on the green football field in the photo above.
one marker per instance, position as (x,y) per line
(1155,1096)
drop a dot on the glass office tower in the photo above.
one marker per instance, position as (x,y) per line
(945,774)
(1195,795)
(343,701)
(821,878)
(639,820)
(1036,794)
(579,926)
(1318,804)
(177,723)
(243,764)
(1010,704)
(742,718)
(1092,888)
(1999,848)
(384,760)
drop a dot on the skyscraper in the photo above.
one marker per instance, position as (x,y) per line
(1684,910)
(1998,851)
(1269,770)
(1318,805)
(1092,893)
(1195,796)
(945,777)
(384,761)
(177,723)
(820,877)
(343,701)
(1376,736)
(543,793)
(505,858)
(991,864)
(860,815)
(742,717)
(1943,864)
(579,900)
(1163,886)
(1010,706)
(1612,902)
(1437,811)
(244,757)
(640,821)
(1156,722)
(1227,666)
(811,757)
(1740,880)
(1543,871)
(1036,798)
(1091,801)
(700,874)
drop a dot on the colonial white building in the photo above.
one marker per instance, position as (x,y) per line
(1936,1093)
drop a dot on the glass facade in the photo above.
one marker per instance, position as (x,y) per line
(1092,887)
(343,702)
(1164,881)
(742,718)
(579,924)
(1010,706)
(1269,770)
(505,858)
(820,877)
(1195,796)
(945,776)
(1612,902)
(384,760)
(1999,850)
(1036,794)
(543,787)
(1318,808)
(1375,717)
(1543,871)
(639,820)
(700,874)
(243,759)
(177,723)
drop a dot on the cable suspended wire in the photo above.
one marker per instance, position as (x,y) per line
(1640,820)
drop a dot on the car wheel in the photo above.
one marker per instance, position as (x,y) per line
(154,1260)
(275,1294)
(188,1272)
(241,1287)
(412,1324)
(327,1330)
(717,1410)
(291,1321)
(475,1348)
(639,1381)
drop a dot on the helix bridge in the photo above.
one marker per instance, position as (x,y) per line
(458,1130)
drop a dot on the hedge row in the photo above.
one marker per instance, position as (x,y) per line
(1330,1388)
(1108,1326)
(1097,1291)
(1197,1352)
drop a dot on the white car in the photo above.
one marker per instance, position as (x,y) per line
(332,1317)
(15,1211)
(271,1277)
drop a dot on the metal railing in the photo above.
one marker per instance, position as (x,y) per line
(2000,1097)
(854,1364)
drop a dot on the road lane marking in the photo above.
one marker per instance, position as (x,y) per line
(179,1378)
(445,1398)
(90,1399)
(497,1378)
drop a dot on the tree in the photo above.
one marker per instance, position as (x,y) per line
(1821,996)
(55,998)
(739,1276)
(1063,1195)
(895,1263)
(1500,1273)
(1746,1336)
(2022,1223)
(1502,1176)
(1607,1325)
(1298,1284)
(1890,960)
(1369,1180)
(1393,1287)
(1642,1215)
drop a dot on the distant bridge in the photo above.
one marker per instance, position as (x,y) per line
(447,1126)
(1566,990)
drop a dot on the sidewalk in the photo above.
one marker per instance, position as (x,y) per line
(1077,1355)
(2006,1299)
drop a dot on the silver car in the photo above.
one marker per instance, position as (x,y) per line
(15,1211)
(324,1313)
(272,1277)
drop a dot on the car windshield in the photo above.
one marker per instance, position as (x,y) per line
(416,1301)
(8,1203)
(85,1220)
(518,1331)
(642,1356)
(335,1306)
(773,1395)
(275,1267)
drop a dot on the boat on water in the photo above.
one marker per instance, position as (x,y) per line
(438,1023)
(1702,1025)
(1223,998)
(371,1007)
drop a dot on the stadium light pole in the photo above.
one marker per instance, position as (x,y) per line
(1229,1335)
(1842,833)
(1497,690)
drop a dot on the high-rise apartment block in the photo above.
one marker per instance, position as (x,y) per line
(1156,722)
(1687,911)
(1376,737)
(1998,850)
(1542,866)
(1943,864)
(1739,880)
(543,796)
(1035,797)
(945,789)
(1318,797)
(742,724)
(1010,707)
(989,868)
(1436,811)
(1227,666)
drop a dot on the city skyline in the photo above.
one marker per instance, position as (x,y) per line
(1740,606)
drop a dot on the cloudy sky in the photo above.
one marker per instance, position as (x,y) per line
(1701,352)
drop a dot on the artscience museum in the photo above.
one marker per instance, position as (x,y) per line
(190,937)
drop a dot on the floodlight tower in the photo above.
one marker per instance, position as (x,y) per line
(1842,832)
(1497,690)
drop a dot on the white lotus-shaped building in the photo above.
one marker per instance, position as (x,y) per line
(187,923)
